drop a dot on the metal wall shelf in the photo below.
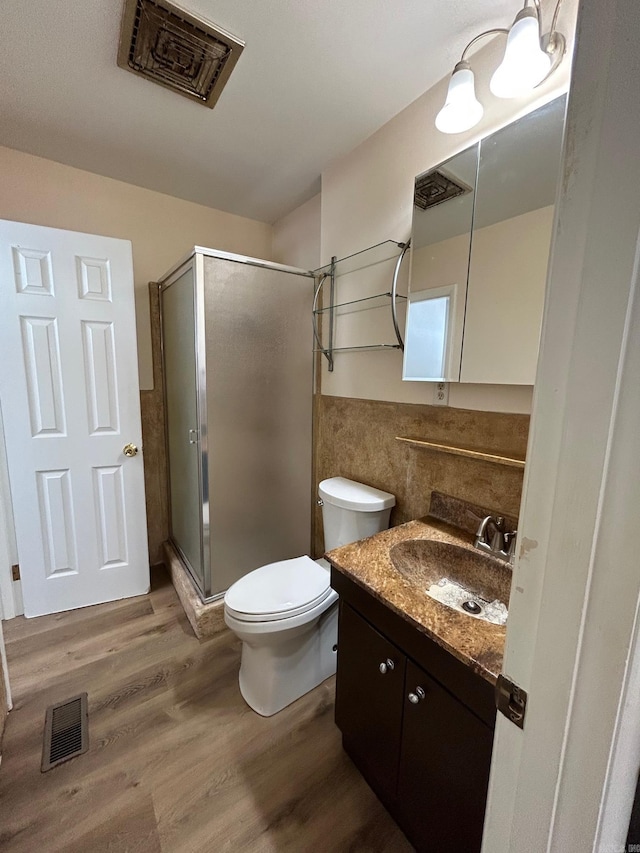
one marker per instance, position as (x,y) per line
(387,250)
(335,307)
(363,347)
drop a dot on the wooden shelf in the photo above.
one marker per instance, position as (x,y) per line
(455,450)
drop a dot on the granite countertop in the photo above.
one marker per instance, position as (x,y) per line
(478,644)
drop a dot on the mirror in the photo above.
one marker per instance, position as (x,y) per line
(512,227)
(441,240)
(482,224)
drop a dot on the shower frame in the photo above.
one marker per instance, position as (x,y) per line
(195,260)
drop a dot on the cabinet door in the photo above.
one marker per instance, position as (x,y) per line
(444,769)
(369,701)
(512,228)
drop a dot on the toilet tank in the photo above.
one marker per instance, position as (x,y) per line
(352,511)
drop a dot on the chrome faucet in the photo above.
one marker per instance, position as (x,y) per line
(502,543)
(510,544)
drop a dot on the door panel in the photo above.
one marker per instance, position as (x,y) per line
(444,769)
(259,381)
(100,373)
(109,499)
(183,420)
(41,354)
(368,702)
(56,518)
(70,401)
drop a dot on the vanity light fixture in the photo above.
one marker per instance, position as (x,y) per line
(529,59)
(462,109)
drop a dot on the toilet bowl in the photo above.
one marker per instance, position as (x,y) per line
(286,613)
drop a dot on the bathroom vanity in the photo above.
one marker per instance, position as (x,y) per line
(415,691)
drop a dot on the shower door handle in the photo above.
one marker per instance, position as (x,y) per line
(193,436)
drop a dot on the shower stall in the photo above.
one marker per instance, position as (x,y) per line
(238,373)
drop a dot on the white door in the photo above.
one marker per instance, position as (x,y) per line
(70,401)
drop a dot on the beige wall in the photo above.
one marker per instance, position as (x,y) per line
(367,197)
(296,237)
(161,228)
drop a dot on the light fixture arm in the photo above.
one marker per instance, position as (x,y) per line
(554,20)
(553,42)
(492,32)
(553,34)
(536,3)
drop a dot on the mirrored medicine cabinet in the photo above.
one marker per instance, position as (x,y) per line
(482,225)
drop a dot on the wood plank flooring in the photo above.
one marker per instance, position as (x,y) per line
(177,762)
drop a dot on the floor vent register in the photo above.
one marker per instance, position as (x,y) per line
(66,731)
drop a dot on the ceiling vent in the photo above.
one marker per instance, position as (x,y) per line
(436,187)
(165,44)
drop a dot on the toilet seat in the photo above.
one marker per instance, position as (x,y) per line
(279,590)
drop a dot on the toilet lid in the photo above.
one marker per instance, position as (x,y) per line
(277,590)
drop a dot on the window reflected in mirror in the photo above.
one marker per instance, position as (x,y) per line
(428,344)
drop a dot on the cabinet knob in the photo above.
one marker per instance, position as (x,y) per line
(386,665)
(416,697)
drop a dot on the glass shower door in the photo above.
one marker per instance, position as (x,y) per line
(181,395)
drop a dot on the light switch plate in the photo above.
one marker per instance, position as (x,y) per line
(441,394)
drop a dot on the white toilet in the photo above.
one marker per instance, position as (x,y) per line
(286,614)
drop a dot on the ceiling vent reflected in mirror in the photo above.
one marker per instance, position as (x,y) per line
(437,187)
(176,49)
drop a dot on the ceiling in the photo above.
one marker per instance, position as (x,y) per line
(316,78)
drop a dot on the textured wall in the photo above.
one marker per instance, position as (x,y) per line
(296,237)
(154,448)
(356,439)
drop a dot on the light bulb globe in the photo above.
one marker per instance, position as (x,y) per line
(461,110)
(525,64)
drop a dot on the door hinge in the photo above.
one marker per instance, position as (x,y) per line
(511,700)
(15,573)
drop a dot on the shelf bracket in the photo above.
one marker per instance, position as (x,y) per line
(394,292)
(331,275)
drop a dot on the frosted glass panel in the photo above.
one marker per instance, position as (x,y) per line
(259,400)
(179,328)
(426,337)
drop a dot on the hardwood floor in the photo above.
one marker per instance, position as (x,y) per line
(177,762)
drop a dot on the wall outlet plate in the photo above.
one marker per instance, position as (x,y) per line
(441,394)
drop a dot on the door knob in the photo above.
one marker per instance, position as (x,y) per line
(416,697)
(386,665)
(129,450)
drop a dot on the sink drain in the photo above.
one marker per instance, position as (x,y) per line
(472,607)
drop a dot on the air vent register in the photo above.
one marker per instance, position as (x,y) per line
(437,187)
(170,46)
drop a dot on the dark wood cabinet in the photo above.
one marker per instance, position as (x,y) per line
(425,752)
(372,683)
(443,776)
